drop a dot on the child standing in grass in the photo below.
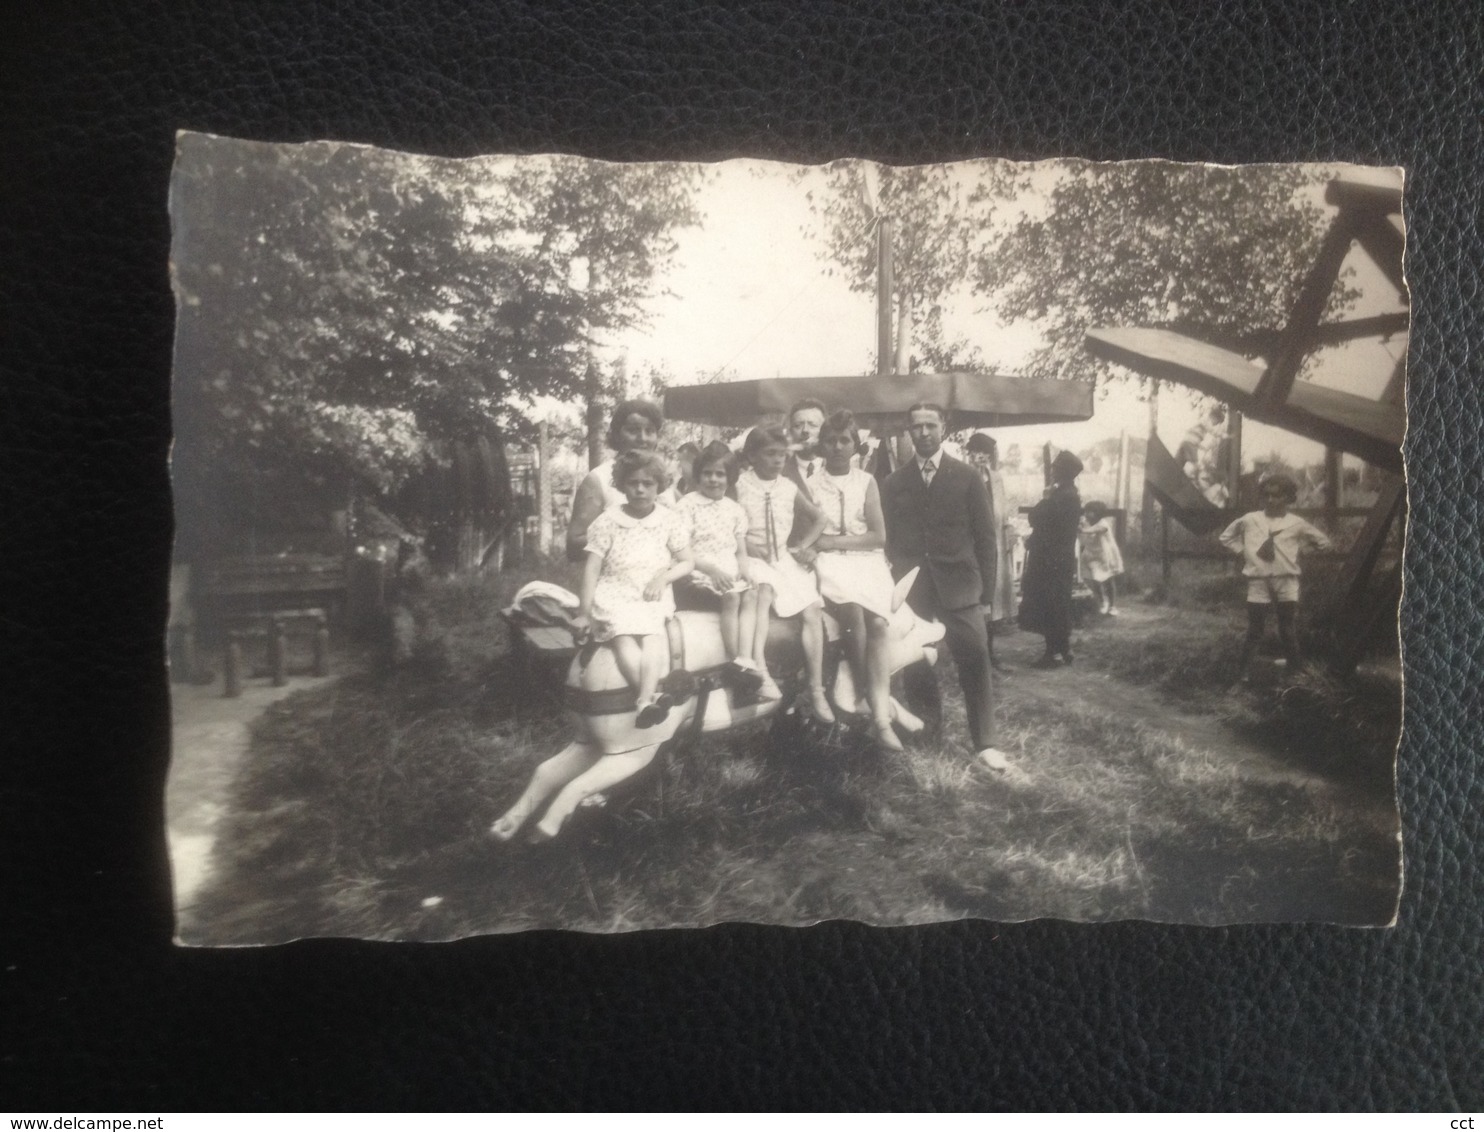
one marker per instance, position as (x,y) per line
(634,551)
(1270,542)
(1102,561)
(718,527)
(772,502)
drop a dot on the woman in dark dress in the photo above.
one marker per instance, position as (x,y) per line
(1051,563)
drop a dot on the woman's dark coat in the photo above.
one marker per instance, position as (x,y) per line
(1051,564)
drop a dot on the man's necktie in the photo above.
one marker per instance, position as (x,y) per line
(927,473)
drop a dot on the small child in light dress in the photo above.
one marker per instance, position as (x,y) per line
(1270,542)
(772,503)
(851,565)
(718,531)
(1102,561)
(634,552)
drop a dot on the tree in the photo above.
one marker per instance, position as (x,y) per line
(1216,253)
(940,214)
(344,310)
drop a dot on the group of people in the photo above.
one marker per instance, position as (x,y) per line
(793,523)
(784,527)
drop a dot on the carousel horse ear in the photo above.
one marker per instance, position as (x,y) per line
(900,591)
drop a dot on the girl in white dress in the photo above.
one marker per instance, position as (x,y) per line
(772,503)
(851,564)
(718,534)
(1102,561)
(634,552)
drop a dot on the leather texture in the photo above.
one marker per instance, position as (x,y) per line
(99,1012)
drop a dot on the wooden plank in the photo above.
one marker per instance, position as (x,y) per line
(1378,325)
(1371,190)
(1383,242)
(1370,429)
(1307,309)
(1169,356)
(1176,494)
(1360,564)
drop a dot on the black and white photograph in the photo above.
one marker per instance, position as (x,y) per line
(569,544)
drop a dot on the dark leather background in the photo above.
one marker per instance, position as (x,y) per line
(98,1011)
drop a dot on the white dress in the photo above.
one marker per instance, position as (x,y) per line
(715,527)
(769,505)
(634,551)
(1101,558)
(859,577)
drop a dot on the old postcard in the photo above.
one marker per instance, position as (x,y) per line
(569,544)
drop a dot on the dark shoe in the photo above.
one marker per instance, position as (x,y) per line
(677,686)
(656,713)
(1047,661)
(1067,658)
(748,680)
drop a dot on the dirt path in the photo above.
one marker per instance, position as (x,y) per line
(209,736)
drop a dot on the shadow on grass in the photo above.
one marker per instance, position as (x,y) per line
(362,811)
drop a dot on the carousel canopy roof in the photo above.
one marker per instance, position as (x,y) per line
(973,400)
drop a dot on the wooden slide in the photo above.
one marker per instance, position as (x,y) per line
(1180,498)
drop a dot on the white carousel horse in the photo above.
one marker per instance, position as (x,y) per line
(608,746)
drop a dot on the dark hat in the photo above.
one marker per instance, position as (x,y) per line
(1066,466)
(980,442)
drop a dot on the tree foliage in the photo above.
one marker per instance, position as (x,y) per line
(344,309)
(939,214)
(1217,253)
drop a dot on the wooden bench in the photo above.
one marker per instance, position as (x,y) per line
(271,598)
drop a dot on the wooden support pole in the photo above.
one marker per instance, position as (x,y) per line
(232,669)
(1396,385)
(1360,563)
(1277,383)
(1120,483)
(543,487)
(1233,469)
(1146,511)
(1164,547)
(593,391)
(1333,471)
(1383,243)
(883,295)
(278,659)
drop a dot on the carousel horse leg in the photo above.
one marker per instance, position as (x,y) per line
(604,773)
(904,719)
(878,672)
(548,778)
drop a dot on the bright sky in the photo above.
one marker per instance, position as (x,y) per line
(750,296)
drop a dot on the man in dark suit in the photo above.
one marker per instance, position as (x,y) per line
(938,518)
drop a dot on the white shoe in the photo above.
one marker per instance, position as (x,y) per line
(1112,612)
(994,758)
(769,689)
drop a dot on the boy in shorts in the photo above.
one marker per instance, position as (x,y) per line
(1270,542)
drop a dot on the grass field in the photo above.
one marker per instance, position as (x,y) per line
(1141,787)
